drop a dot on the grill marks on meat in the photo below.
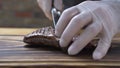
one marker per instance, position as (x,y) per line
(42,36)
(45,36)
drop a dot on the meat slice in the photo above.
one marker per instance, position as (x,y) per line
(45,37)
(42,36)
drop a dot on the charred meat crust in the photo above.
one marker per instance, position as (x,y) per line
(45,36)
(42,36)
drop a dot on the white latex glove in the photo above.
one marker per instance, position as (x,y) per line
(46,6)
(103,18)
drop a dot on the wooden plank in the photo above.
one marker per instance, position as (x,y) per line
(13,53)
(16,31)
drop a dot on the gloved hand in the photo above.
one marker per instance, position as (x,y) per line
(46,6)
(102,17)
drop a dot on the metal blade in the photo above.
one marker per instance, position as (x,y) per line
(55,15)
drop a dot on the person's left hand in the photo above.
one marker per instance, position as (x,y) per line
(46,6)
(102,17)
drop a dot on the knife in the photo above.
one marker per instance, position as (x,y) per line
(55,15)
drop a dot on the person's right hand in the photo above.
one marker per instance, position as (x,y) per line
(46,6)
(101,17)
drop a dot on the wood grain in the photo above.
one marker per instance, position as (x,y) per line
(16,31)
(13,52)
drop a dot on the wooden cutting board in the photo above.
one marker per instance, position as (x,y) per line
(13,52)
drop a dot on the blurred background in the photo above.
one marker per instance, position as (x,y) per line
(22,14)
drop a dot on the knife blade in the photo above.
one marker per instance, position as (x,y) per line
(55,15)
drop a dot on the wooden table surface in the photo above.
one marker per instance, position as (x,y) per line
(13,52)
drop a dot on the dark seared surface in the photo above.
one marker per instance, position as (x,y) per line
(43,36)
